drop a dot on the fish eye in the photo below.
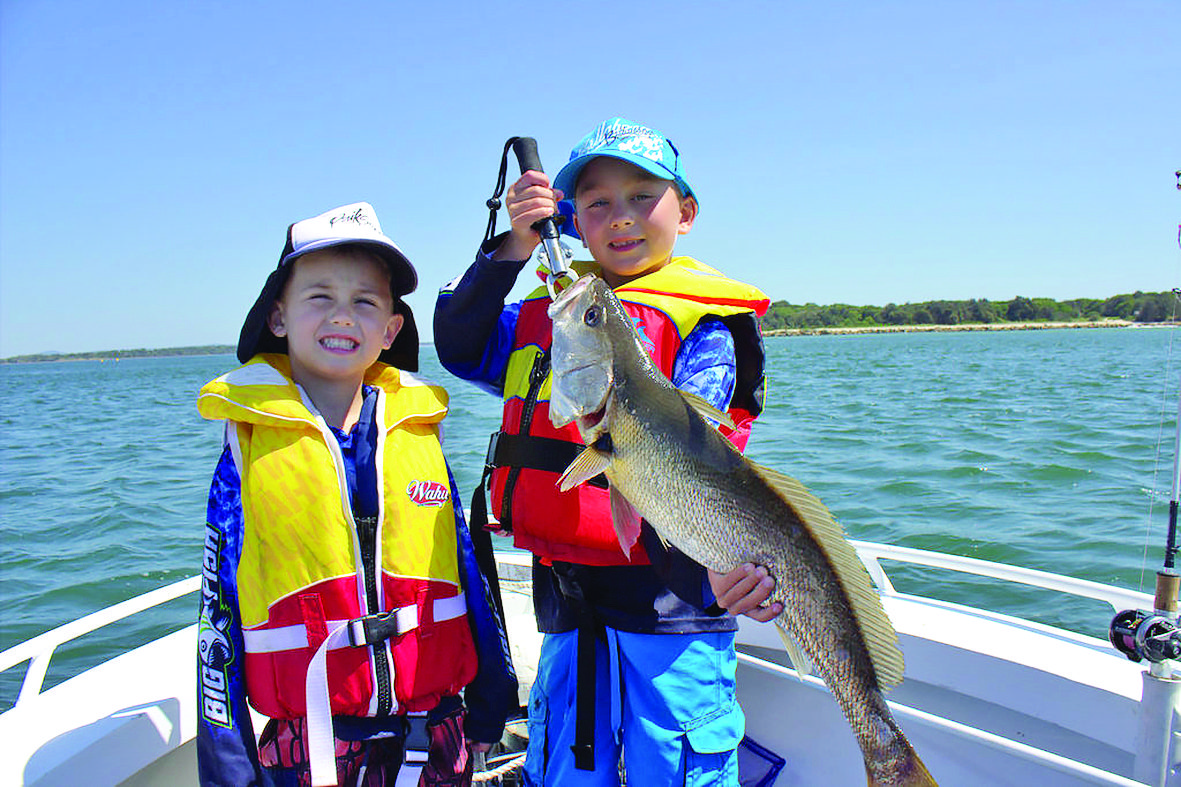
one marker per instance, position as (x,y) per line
(591,317)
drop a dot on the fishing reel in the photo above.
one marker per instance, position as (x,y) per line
(1148,636)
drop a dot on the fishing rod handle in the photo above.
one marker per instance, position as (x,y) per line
(525,149)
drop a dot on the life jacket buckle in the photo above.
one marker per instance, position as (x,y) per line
(418,738)
(372,629)
(493,444)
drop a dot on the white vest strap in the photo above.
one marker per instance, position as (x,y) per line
(321,733)
(270,640)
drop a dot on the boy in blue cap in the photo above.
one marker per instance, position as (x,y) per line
(341,594)
(638,655)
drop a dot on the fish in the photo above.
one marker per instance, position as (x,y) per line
(666,463)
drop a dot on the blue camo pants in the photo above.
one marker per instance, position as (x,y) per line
(666,700)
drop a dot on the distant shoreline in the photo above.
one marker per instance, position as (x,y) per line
(229,349)
(117,355)
(978,326)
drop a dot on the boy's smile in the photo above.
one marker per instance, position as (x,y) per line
(629,219)
(337,314)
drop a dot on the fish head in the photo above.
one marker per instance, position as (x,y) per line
(581,358)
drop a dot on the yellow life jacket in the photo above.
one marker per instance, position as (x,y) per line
(307,567)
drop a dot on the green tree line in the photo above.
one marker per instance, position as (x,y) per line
(1141,307)
(105,355)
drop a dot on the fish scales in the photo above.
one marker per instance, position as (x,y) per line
(720,533)
(702,495)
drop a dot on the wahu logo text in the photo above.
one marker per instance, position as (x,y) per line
(431,494)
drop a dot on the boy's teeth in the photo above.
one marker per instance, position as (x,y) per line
(339,344)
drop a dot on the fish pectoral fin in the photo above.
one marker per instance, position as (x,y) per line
(626,520)
(799,659)
(585,466)
(707,410)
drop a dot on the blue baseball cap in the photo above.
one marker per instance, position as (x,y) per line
(646,148)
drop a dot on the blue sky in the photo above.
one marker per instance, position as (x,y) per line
(152,154)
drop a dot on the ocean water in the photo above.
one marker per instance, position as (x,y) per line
(1050,449)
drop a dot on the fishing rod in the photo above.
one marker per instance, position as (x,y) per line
(1154,636)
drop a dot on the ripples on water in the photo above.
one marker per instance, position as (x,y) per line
(1036,448)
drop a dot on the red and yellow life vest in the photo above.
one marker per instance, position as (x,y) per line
(301,576)
(666,305)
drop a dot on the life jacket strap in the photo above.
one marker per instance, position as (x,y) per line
(321,733)
(321,730)
(589,630)
(367,630)
(536,453)
(583,747)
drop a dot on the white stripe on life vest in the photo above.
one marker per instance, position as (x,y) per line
(296,636)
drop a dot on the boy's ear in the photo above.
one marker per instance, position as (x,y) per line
(688,215)
(391,330)
(275,321)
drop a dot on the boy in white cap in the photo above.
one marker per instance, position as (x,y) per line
(342,596)
(637,654)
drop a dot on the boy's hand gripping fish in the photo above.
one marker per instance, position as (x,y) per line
(667,464)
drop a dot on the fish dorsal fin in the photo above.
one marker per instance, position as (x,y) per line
(876,629)
(585,466)
(707,410)
(799,659)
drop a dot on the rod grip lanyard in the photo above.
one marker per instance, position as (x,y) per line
(547,230)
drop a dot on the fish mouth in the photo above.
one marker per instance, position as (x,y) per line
(568,295)
(581,394)
(591,420)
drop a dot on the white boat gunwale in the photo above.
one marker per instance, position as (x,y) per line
(39,650)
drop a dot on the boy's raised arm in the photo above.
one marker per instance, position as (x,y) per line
(473,327)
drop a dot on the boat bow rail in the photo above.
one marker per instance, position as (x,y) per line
(128,715)
(39,650)
(872,554)
(986,695)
